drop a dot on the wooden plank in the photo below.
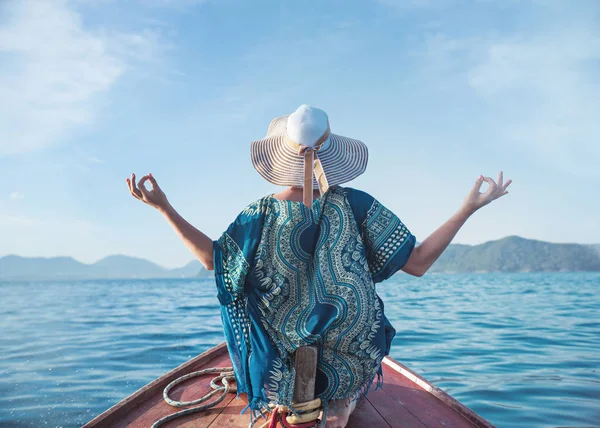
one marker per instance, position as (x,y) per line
(155,408)
(113,416)
(365,415)
(231,417)
(306,372)
(443,411)
(406,400)
(396,415)
(426,408)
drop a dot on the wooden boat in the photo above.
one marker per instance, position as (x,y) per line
(406,400)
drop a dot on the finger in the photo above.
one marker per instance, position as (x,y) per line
(135,196)
(134,189)
(490,193)
(499,195)
(500,179)
(506,184)
(130,189)
(492,183)
(478,184)
(142,186)
(153,182)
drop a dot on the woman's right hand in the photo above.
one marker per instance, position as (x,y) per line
(475,199)
(155,197)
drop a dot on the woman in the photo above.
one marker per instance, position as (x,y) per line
(298,267)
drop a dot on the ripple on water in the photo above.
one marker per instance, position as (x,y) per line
(520,349)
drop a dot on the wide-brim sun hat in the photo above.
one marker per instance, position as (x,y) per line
(299,149)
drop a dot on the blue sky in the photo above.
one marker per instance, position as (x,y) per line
(440,91)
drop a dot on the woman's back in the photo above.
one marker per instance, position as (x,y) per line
(292,276)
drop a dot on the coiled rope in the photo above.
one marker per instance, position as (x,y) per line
(225,376)
(305,415)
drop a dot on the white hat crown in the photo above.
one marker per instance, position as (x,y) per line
(295,141)
(307,125)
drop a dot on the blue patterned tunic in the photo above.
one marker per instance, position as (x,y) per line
(290,276)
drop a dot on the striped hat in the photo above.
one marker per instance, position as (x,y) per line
(299,150)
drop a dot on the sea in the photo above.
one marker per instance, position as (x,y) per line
(522,350)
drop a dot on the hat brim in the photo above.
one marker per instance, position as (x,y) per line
(343,160)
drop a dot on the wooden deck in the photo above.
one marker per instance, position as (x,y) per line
(406,400)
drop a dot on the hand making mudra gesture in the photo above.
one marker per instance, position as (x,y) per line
(155,197)
(423,256)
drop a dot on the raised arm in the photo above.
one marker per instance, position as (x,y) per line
(425,254)
(197,242)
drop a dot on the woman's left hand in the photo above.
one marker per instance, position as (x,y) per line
(155,197)
(475,199)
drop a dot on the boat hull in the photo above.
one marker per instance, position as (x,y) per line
(406,400)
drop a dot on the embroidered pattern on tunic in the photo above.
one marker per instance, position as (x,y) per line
(385,233)
(336,278)
(236,268)
(235,265)
(258,207)
(290,276)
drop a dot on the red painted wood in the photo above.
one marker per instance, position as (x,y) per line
(400,403)
(231,417)
(155,408)
(429,410)
(392,411)
(147,402)
(365,415)
(400,392)
(450,411)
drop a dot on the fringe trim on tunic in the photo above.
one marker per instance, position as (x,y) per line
(259,406)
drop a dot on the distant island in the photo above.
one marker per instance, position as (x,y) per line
(112,267)
(516,254)
(511,254)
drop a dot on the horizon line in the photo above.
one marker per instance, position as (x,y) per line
(196,260)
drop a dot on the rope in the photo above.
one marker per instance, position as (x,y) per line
(225,375)
(306,415)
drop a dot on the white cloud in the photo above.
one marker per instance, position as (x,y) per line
(55,71)
(94,159)
(9,222)
(552,85)
(16,195)
(539,89)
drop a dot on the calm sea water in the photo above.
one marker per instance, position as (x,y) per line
(521,350)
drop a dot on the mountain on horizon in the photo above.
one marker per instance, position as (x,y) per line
(128,267)
(510,254)
(517,254)
(13,267)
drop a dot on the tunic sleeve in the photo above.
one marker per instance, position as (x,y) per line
(388,242)
(234,251)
